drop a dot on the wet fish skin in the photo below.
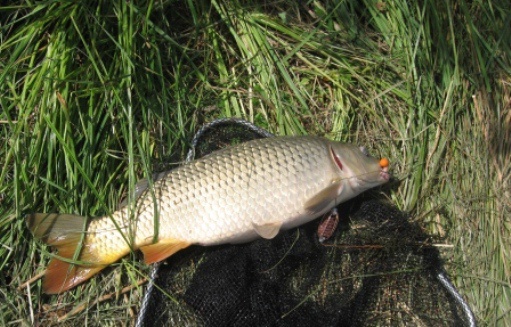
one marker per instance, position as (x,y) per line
(234,195)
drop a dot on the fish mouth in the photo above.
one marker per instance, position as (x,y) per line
(384,174)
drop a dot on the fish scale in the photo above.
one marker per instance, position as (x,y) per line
(237,194)
(227,192)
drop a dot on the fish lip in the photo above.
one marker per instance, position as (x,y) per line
(384,174)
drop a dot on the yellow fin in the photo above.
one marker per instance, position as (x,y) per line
(76,262)
(61,276)
(162,250)
(321,200)
(267,231)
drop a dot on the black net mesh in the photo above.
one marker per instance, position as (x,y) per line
(378,269)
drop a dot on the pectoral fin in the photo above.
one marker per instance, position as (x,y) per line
(268,231)
(162,250)
(321,200)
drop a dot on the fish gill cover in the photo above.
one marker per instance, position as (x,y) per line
(378,269)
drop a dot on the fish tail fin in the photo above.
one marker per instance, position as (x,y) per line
(76,261)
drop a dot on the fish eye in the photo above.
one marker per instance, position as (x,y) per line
(363,149)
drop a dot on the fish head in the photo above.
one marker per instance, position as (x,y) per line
(357,168)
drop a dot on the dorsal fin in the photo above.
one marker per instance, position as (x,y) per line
(140,187)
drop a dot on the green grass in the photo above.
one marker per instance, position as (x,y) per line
(94,97)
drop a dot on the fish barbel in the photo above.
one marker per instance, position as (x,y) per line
(233,195)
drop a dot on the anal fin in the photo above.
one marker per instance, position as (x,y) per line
(162,250)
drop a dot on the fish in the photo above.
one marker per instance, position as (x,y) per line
(234,195)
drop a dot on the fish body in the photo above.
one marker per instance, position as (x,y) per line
(234,195)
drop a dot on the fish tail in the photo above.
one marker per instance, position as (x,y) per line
(77,261)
